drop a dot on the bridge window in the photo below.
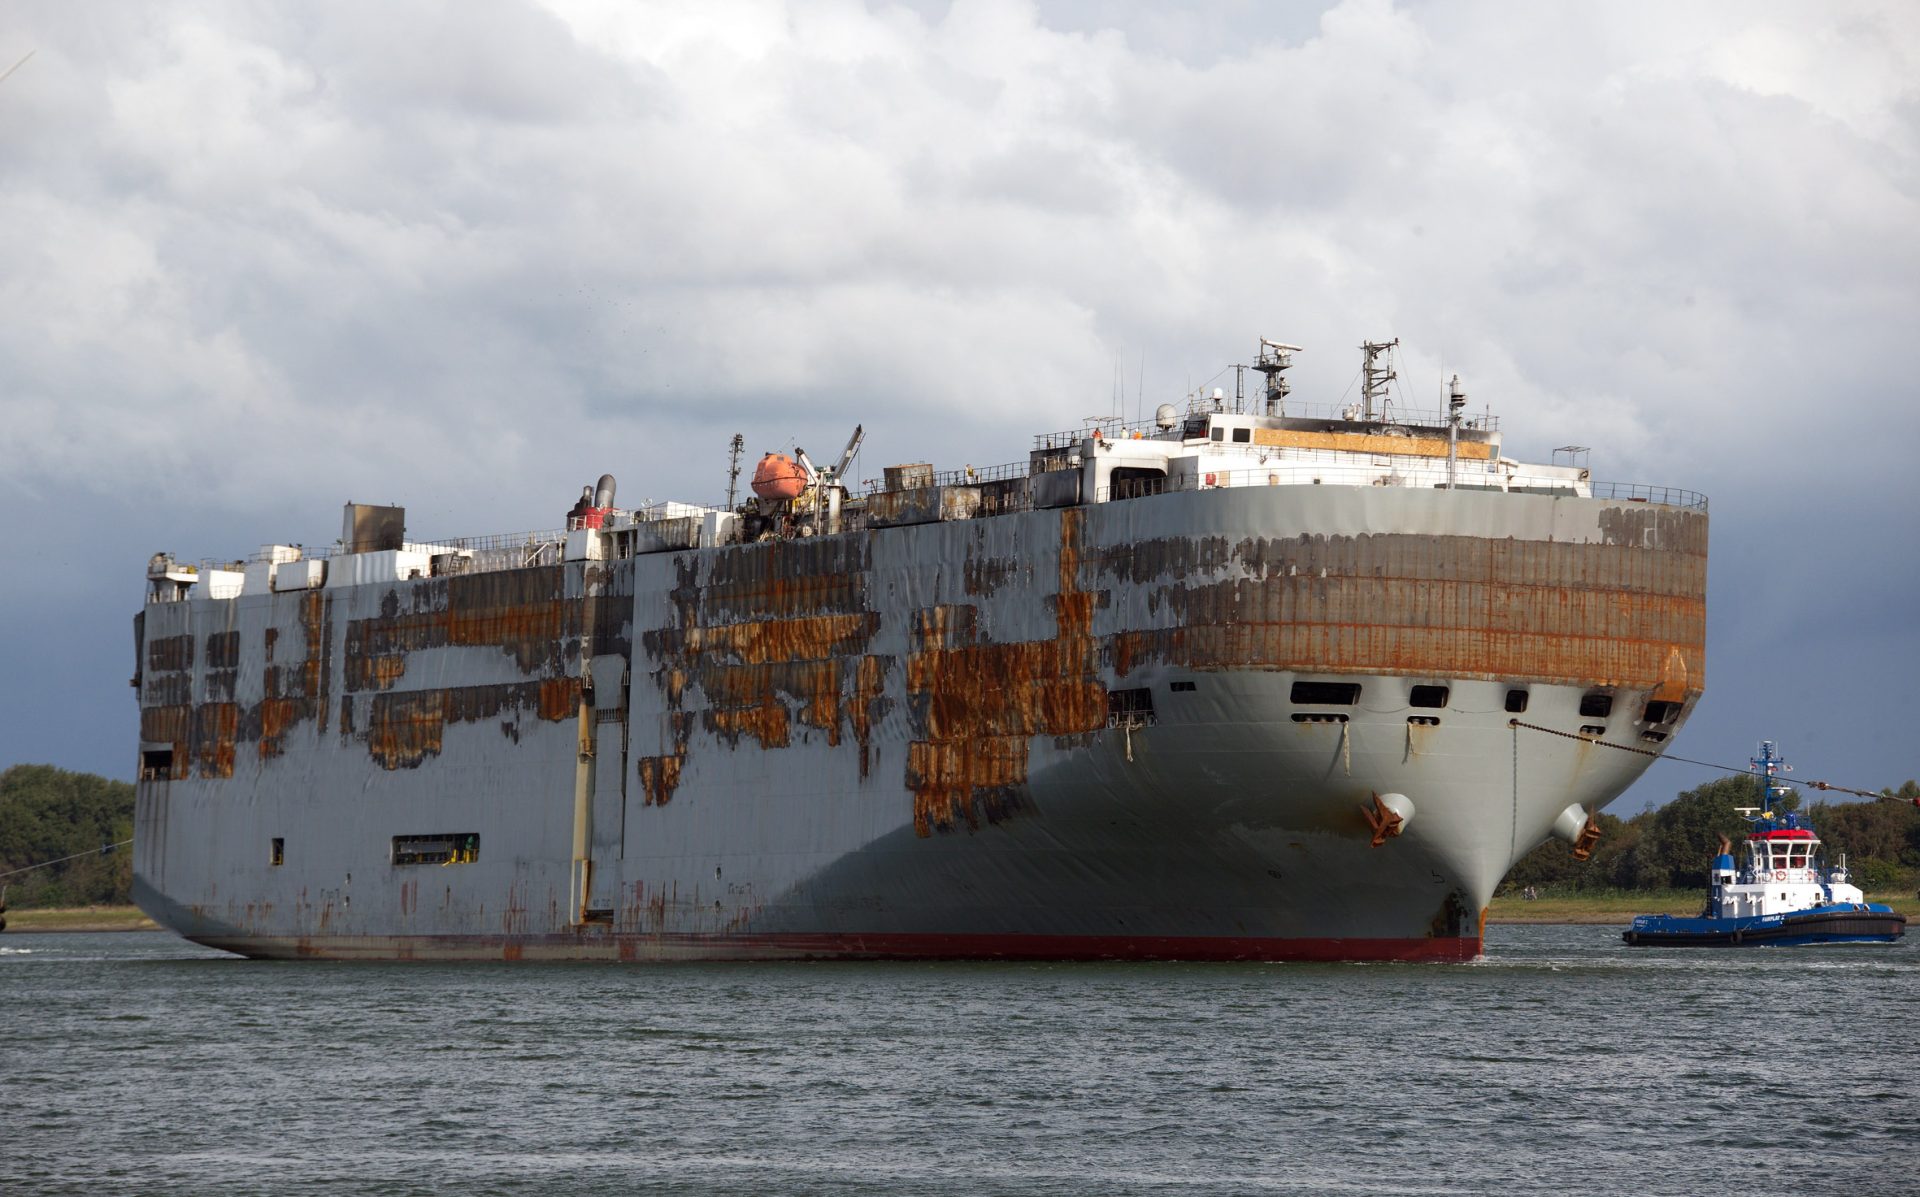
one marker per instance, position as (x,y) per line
(1427,696)
(1596,704)
(1242,435)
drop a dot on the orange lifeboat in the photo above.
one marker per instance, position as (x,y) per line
(779,477)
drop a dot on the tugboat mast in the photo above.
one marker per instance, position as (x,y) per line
(1769,765)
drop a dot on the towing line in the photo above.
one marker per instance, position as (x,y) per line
(102,850)
(1663,756)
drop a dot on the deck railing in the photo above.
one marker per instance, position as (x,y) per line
(1286,473)
(1640,492)
(510,549)
(1393,413)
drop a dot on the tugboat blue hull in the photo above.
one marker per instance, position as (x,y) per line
(1848,923)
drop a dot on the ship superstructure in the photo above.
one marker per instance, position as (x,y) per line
(1247,680)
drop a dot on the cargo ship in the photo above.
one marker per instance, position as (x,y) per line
(1252,679)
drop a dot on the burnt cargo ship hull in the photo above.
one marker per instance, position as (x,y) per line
(1071,733)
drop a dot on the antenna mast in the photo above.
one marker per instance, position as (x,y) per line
(1274,361)
(1376,376)
(1456,405)
(733,467)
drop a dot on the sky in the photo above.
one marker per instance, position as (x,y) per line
(260,260)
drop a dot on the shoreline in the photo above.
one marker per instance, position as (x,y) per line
(78,919)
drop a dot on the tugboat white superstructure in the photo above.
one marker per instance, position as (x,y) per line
(1239,682)
(1782,895)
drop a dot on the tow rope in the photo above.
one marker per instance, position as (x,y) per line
(1663,756)
(102,850)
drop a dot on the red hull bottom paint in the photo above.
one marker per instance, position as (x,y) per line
(595,944)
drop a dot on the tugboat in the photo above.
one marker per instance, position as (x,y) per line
(1783,896)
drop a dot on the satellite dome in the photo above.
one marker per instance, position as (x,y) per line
(1163,416)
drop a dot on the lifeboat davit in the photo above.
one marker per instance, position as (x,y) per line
(779,477)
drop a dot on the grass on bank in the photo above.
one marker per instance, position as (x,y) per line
(79,918)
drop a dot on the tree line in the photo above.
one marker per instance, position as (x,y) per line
(1672,846)
(47,813)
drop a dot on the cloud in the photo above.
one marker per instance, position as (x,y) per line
(464,255)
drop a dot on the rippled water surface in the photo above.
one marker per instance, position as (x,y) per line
(1564,1063)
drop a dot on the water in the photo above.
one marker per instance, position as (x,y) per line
(1566,1063)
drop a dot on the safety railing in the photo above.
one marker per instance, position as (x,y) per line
(1109,428)
(965,476)
(1392,413)
(1640,492)
(1287,473)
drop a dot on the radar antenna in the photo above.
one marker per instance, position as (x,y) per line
(1274,360)
(1376,376)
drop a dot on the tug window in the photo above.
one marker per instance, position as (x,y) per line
(1242,435)
(1219,434)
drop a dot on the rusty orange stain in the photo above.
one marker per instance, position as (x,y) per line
(966,781)
(215,727)
(659,777)
(768,723)
(171,724)
(559,698)
(743,670)
(977,704)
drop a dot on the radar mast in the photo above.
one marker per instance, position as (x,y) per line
(1274,361)
(1375,376)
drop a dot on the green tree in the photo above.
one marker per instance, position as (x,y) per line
(1552,866)
(1879,829)
(1881,839)
(47,813)
(1679,840)
(1672,846)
